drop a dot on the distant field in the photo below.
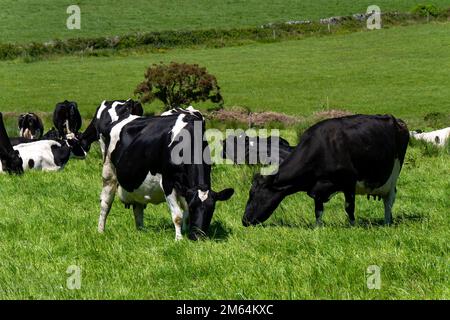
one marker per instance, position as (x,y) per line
(403,70)
(28,20)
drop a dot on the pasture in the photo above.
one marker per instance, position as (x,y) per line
(48,221)
(24,21)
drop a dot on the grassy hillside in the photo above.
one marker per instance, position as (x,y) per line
(27,20)
(48,221)
(402,70)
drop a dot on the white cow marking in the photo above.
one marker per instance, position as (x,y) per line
(203,195)
(112,111)
(179,125)
(115,132)
(100,110)
(385,188)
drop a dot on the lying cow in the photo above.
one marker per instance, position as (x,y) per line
(358,154)
(243,149)
(25,154)
(30,126)
(438,137)
(138,165)
(67,118)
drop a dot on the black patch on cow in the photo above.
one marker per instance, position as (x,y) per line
(31,163)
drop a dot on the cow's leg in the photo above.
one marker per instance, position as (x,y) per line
(389,200)
(350,206)
(138,210)
(107,195)
(177,213)
(318,204)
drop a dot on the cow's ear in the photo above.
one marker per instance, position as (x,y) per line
(224,194)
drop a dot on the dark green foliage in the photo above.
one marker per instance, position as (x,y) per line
(178,85)
(425,10)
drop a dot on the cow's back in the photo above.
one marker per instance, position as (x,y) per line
(361,146)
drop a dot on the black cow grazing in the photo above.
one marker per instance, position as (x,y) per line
(358,154)
(30,126)
(67,118)
(243,149)
(138,165)
(10,160)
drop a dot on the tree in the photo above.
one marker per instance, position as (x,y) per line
(178,85)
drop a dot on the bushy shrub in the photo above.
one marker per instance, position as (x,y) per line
(426,9)
(178,85)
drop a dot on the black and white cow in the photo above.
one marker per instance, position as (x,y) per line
(67,118)
(244,149)
(138,166)
(25,154)
(30,126)
(10,160)
(360,154)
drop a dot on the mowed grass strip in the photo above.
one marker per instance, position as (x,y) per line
(26,21)
(400,70)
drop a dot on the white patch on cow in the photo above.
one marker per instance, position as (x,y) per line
(150,191)
(113,112)
(66,124)
(179,125)
(27,134)
(384,190)
(115,132)
(41,154)
(101,109)
(203,195)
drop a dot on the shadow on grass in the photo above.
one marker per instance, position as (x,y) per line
(361,222)
(218,231)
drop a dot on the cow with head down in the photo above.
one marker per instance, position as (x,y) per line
(138,165)
(360,154)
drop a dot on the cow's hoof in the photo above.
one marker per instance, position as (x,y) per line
(352,223)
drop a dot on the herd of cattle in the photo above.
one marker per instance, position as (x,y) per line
(359,154)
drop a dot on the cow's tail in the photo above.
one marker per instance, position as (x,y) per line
(402,138)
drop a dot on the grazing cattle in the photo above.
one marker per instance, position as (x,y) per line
(243,149)
(438,137)
(30,126)
(358,154)
(67,118)
(138,165)
(10,160)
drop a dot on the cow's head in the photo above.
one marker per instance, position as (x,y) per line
(10,158)
(30,126)
(201,201)
(263,199)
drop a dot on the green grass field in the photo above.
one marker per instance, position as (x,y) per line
(27,20)
(48,221)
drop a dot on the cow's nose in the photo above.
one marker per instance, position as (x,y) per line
(245,222)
